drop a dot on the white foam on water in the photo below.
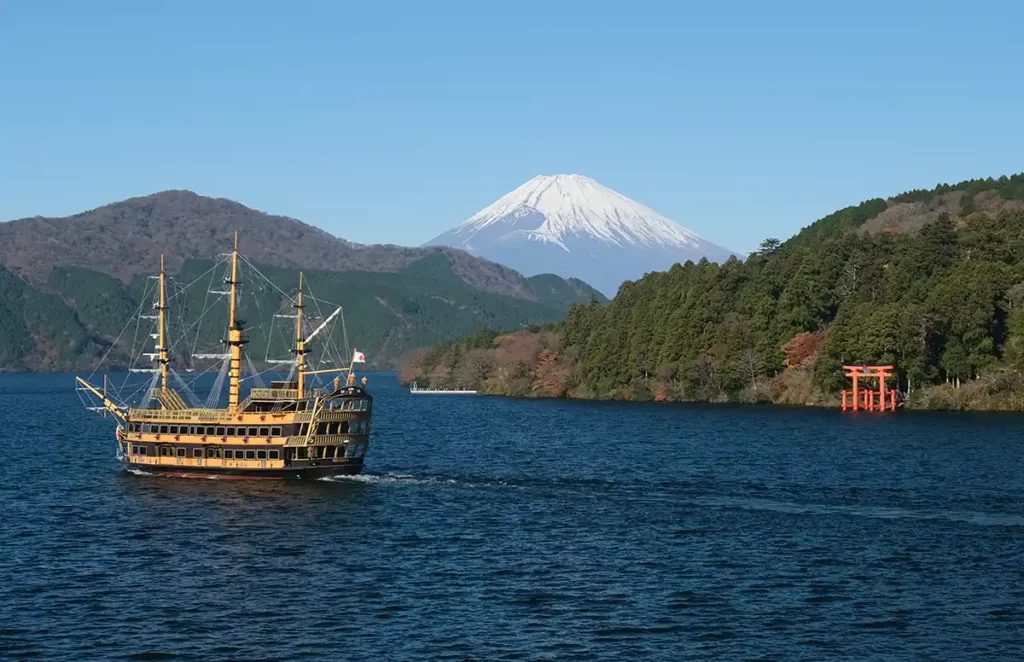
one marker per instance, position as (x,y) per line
(388,479)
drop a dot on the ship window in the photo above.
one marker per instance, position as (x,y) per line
(301,453)
(231,432)
(304,429)
(163,429)
(164,451)
(197,452)
(344,427)
(261,455)
(220,432)
(249,431)
(250,455)
(274,455)
(321,428)
(329,452)
(173,429)
(264,432)
(142,450)
(181,452)
(275,432)
(229,454)
(212,451)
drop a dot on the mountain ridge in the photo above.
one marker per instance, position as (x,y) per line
(125,239)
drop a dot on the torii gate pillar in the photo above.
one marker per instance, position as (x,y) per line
(879,372)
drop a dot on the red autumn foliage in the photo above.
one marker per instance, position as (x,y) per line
(803,349)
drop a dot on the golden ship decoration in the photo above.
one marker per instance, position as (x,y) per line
(312,423)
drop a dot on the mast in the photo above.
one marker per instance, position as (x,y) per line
(162,349)
(300,345)
(235,339)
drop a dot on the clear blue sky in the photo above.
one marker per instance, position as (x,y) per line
(390,122)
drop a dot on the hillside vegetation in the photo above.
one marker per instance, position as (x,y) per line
(69,285)
(936,288)
(72,321)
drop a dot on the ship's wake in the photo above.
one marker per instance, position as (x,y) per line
(390,479)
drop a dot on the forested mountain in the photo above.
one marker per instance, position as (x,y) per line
(71,321)
(68,286)
(931,281)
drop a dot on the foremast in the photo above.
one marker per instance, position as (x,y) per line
(300,345)
(235,337)
(162,347)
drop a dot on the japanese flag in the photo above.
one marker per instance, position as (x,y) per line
(358,357)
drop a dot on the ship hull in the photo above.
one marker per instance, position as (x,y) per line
(287,473)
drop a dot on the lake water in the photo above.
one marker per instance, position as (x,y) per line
(490,528)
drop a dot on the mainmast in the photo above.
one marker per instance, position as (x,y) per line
(235,339)
(162,348)
(300,345)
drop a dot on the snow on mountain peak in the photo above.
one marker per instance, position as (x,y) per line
(578,205)
(572,226)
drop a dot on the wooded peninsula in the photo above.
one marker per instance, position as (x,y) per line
(931,281)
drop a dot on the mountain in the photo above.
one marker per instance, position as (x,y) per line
(126,238)
(68,285)
(931,281)
(575,227)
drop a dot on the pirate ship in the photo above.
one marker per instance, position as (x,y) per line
(285,430)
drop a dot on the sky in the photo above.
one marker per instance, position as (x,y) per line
(390,122)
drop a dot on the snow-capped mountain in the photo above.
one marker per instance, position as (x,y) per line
(574,227)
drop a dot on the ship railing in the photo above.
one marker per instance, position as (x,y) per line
(328,416)
(177,414)
(325,439)
(274,394)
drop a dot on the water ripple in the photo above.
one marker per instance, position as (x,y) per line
(497,529)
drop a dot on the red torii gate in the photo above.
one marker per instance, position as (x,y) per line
(866,399)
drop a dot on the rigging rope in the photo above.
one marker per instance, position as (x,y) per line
(213,398)
(149,391)
(184,389)
(254,374)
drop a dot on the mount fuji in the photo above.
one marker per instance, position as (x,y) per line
(573,226)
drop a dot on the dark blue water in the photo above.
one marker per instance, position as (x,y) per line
(495,529)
